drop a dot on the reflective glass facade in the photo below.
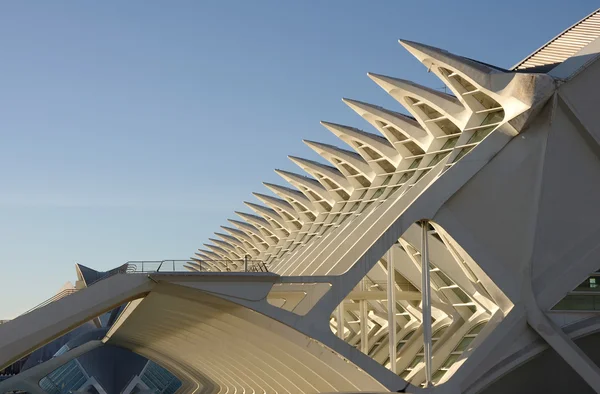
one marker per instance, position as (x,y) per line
(65,379)
(159,379)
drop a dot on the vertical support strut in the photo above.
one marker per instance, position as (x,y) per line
(364,327)
(391,305)
(426,300)
(340,320)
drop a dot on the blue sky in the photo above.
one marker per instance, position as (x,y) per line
(132,130)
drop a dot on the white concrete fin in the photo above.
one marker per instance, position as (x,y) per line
(291,195)
(252,231)
(253,219)
(226,246)
(307,185)
(396,127)
(264,227)
(359,139)
(202,255)
(341,158)
(433,110)
(219,251)
(211,258)
(476,83)
(243,226)
(189,266)
(279,204)
(436,112)
(274,201)
(234,241)
(203,262)
(243,237)
(236,233)
(269,214)
(475,71)
(320,171)
(400,89)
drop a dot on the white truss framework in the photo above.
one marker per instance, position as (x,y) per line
(325,221)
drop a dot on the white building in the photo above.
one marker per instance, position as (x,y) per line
(493,186)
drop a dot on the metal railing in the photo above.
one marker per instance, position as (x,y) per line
(58,296)
(154,266)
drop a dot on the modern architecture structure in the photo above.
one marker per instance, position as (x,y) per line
(106,369)
(451,249)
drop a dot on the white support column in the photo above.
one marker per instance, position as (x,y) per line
(364,327)
(340,320)
(391,305)
(426,301)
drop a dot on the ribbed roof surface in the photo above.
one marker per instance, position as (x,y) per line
(565,45)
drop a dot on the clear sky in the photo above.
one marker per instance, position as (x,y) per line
(131,130)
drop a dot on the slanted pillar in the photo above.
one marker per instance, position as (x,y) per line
(391,305)
(340,320)
(426,300)
(364,327)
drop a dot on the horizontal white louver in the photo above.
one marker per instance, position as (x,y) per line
(565,45)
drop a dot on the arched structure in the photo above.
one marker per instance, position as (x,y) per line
(453,244)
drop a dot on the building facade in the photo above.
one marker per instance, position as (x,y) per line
(454,250)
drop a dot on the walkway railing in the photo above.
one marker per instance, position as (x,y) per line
(153,266)
(58,296)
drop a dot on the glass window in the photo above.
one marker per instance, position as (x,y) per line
(437,376)
(493,117)
(462,153)
(386,166)
(405,177)
(450,360)
(437,158)
(363,181)
(480,135)
(415,362)
(393,190)
(348,168)
(574,302)
(404,340)
(422,175)
(413,148)
(464,344)
(65,379)
(160,380)
(590,284)
(420,355)
(404,373)
(408,336)
(371,153)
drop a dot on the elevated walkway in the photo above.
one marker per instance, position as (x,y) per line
(28,332)
(198,324)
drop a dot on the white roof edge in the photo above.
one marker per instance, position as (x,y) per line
(554,40)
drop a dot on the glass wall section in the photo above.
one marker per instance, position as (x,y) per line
(585,297)
(65,379)
(420,355)
(464,344)
(160,380)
